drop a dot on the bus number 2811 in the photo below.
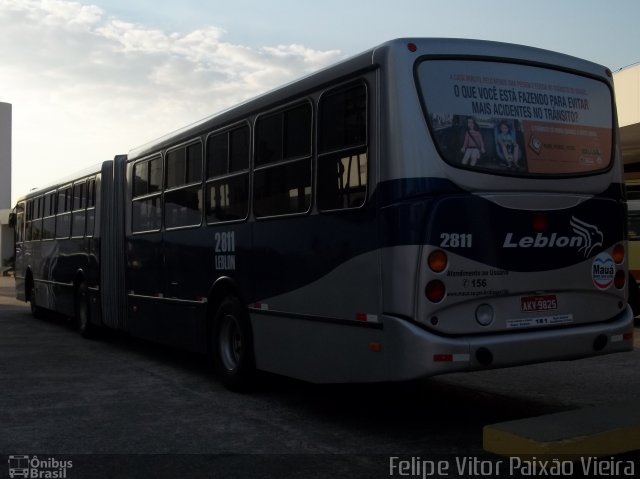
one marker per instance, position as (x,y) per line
(455,240)
(225,242)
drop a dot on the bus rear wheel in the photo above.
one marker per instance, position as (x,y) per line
(232,346)
(83,312)
(36,311)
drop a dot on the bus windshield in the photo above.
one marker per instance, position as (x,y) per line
(517,119)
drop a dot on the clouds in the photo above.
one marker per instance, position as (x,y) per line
(86,85)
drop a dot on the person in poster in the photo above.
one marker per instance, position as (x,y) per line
(473,146)
(508,146)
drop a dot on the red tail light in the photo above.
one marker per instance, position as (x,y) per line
(618,254)
(435,291)
(437,261)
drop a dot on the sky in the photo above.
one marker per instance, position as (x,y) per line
(89,79)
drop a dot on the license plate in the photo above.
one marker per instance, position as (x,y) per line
(532,304)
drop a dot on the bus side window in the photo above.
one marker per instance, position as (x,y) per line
(91,203)
(342,140)
(28,217)
(20,223)
(282,175)
(49,221)
(63,210)
(146,214)
(183,189)
(36,224)
(227,188)
(79,213)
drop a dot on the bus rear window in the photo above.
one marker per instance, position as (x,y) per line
(516,119)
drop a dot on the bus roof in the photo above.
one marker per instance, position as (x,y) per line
(65,180)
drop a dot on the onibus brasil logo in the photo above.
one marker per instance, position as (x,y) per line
(33,467)
(586,238)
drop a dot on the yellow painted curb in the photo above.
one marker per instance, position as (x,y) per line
(596,431)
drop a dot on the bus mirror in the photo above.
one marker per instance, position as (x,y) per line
(12,220)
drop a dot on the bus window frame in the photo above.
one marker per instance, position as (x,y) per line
(37,209)
(146,196)
(92,183)
(247,171)
(82,183)
(20,222)
(183,186)
(281,109)
(48,216)
(364,148)
(67,208)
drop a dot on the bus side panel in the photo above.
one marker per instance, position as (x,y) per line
(308,250)
(62,267)
(317,313)
(348,293)
(144,283)
(319,352)
(92,277)
(143,317)
(168,278)
(195,260)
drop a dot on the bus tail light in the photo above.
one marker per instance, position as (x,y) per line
(618,254)
(540,223)
(451,358)
(620,279)
(438,261)
(443,358)
(435,291)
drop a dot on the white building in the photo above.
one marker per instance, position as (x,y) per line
(6,233)
(627,85)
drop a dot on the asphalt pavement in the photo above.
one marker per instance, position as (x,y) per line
(122,407)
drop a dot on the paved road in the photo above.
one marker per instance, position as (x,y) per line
(63,395)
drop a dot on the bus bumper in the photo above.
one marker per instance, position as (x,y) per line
(416,352)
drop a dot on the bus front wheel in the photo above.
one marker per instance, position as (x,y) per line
(232,346)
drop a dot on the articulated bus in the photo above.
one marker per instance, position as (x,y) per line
(427,206)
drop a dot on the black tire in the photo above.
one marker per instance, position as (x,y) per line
(83,312)
(232,346)
(36,311)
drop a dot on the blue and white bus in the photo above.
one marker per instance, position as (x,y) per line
(427,206)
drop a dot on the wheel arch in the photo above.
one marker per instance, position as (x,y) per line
(222,288)
(78,279)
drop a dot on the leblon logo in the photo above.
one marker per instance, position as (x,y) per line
(591,235)
(603,271)
(586,238)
